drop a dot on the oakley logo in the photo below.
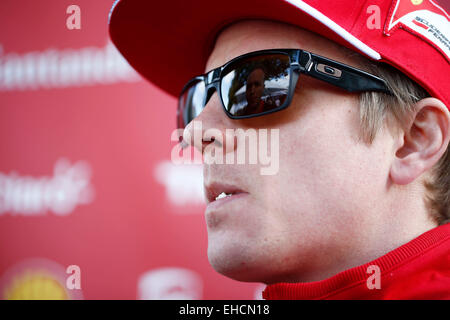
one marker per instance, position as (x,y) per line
(263,148)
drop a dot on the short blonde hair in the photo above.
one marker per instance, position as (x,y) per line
(376,109)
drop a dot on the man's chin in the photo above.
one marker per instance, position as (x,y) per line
(235,265)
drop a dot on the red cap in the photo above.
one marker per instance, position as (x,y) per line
(168,42)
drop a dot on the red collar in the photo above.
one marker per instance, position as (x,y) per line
(419,269)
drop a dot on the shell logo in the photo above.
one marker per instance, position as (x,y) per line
(37,279)
(35,286)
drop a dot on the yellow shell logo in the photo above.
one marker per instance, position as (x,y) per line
(35,285)
(416,2)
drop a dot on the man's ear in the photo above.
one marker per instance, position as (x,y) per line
(424,142)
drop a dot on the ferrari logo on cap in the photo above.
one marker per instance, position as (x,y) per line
(423,18)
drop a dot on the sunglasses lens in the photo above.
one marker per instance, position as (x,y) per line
(190,103)
(256,85)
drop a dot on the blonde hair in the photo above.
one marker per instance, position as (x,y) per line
(376,109)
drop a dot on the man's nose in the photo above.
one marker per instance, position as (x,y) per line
(209,127)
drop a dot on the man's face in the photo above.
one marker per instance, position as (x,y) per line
(317,212)
(255,87)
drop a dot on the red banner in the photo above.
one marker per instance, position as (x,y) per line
(91,207)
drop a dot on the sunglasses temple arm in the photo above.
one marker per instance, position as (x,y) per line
(343,76)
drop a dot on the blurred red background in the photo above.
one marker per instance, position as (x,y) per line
(85,171)
(86,181)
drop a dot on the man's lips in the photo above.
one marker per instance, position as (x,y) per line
(213,190)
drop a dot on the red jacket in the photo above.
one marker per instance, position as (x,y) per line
(420,269)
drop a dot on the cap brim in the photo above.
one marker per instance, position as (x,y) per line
(169,42)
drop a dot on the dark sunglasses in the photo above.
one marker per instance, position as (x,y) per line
(262,82)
